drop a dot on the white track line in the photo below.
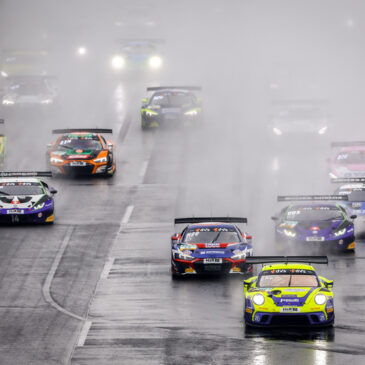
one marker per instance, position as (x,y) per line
(143,170)
(46,289)
(83,334)
(107,267)
(127,215)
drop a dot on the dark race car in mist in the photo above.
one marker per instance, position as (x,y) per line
(298,117)
(210,246)
(314,222)
(26,199)
(349,161)
(2,143)
(171,106)
(288,292)
(82,152)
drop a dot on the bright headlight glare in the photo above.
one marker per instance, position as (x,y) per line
(101,160)
(320,299)
(8,102)
(181,256)
(82,51)
(258,299)
(277,131)
(38,206)
(191,112)
(340,232)
(56,160)
(323,130)
(47,101)
(155,62)
(289,233)
(150,113)
(117,62)
(4,74)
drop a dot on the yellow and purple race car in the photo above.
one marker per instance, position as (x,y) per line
(288,292)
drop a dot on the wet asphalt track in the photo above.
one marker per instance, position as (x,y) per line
(95,287)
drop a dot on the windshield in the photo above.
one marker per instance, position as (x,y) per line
(287,280)
(353,157)
(297,113)
(178,99)
(212,235)
(20,188)
(82,142)
(301,214)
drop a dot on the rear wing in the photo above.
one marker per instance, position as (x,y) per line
(348,144)
(289,198)
(348,180)
(189,88)
(210,219)
(278,259)
(26,174)
(80,130)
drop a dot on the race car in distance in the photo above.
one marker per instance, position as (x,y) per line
(26,199)
(210,246)
(315,222)
(349,161)
(82,152)
(354,189)
(291,117)
(288,292)
(2,144)
(25,91)
(171,106)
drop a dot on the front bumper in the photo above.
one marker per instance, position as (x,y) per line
(44,216)
(89,168)
(169,121)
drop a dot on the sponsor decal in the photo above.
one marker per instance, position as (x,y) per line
(289,309)
(212,260)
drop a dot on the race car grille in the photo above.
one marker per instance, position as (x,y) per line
(79,170)
(202,268)
(290,320)
(22,218)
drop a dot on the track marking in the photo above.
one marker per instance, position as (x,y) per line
(143,170)
(83,334)
(127,214)
(107,267)
(46,289)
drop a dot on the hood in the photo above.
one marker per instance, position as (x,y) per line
(300,125)
(78,153)
(24,201)
(317,228)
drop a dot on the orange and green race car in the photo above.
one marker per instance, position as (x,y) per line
(82,152)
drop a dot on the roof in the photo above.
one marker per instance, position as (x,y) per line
(290,265)
(19,179)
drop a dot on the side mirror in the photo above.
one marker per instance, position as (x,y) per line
(49,145)
(247,236)
(110,146)
(329,284)
(246,284)
(354,216)
(274,218)
(52,190)
(145,101)
(175,237)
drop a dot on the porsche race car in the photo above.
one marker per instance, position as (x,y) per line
(288,292)
(315,222)
(210,246)
(24,198)
(82,152)
(171,106)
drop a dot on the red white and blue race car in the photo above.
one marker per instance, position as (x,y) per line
(213,245)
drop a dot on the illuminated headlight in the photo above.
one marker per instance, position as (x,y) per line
(289,233)
(239,255)
(340,232)
(258,299)
(320,299)
(191,112)
(322,130)
(277,131)
(47,101)
(38,206)
(56,160)
(4,74)
(101,160)
(151,113)
(8,102)
(117,62)
(155,62)
(81,51)
(182,256)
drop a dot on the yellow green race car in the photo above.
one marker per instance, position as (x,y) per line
(288,292)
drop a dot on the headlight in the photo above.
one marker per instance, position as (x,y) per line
(182,256)
(47,101)
(56,160)
(4,74)
(239,255)
(258,299)
(340,232)
(8,102)
(117,62)
(151,113)
(101,160)
(38,206)
(277,131)
(81,51)
(191,112)
(155,62)
(289,233)
(320,299)
(323,130)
